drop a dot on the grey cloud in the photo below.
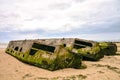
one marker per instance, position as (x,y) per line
(38,17)
(109,27)
(101,11)
(99,17)
(79,1)
(60,6)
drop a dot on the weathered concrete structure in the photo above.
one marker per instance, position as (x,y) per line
(53,54)
(24,45)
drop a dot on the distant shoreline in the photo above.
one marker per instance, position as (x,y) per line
(3,45)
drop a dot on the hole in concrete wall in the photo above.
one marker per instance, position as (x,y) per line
(32,52)
(16,48)
(108,48)
(44,47)
(64,45)
(83,43)
(21,49)
(78,46)
(88,53)
(12,51)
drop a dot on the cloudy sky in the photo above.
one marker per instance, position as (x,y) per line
(33,19)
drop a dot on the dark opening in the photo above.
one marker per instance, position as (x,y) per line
(16,48)
(32,52)
(78,46)
(83,43)
(64,45)
(108,48)
(88,53)
(43,47)
(20,49)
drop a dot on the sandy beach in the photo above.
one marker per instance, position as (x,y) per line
(108,68)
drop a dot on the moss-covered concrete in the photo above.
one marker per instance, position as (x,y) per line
(61,58)
(98,51)
(91,53)
(108,48)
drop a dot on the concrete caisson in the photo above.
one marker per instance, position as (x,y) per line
(53,54)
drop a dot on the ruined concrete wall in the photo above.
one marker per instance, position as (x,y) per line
(68,41)
(27,44)
(20,45)
(55,42)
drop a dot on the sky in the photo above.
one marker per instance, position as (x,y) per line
(37,19)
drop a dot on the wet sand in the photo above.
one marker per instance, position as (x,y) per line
(108,68)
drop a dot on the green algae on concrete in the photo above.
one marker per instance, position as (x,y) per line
(108,48)
(60,59)
(91,53)
(98,51)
